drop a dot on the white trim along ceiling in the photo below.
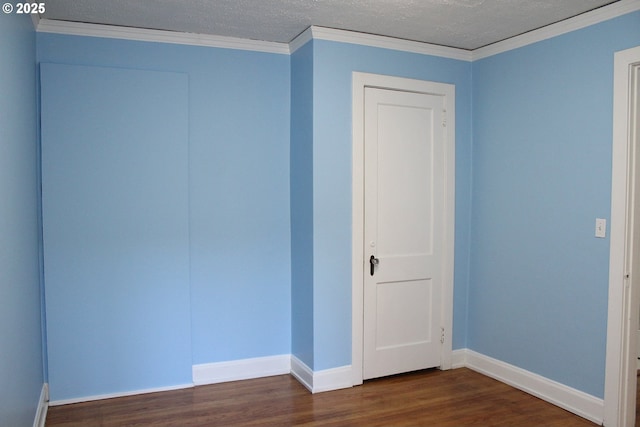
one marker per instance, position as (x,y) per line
(604,13)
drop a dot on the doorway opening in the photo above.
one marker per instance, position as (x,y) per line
(624,279)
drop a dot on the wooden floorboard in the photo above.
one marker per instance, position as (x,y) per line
(458,397)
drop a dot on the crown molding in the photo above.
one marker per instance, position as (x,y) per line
(584,20)
(300,40)
(384,42)
(159,36)
(35,20)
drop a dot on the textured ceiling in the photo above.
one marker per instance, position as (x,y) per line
(465,24)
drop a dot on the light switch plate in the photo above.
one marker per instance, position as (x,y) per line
(601,227)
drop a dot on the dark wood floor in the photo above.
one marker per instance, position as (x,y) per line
(458,397)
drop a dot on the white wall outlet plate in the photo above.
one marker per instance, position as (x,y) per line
(601,227)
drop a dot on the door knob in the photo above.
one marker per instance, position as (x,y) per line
(373,261)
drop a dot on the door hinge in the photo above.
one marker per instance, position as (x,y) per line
(441,335)
(444,118)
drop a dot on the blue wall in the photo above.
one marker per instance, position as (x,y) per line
(301,158)
(542,120)
(21,367)
(333,64)
(270,194)
(239,218)
(115,229)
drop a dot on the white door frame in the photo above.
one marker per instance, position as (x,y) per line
(622,324)
(359,82)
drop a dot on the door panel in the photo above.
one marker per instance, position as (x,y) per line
(403,302)
(404,191)
(404,168)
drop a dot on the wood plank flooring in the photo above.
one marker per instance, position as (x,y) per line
(458,397)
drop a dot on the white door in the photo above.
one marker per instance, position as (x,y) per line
(404,230)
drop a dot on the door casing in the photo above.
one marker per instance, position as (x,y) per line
(624,292)
(359,82)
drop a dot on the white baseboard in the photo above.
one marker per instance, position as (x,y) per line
(43,405)
(243,369)
(302,373)
(319,381)
(575,401)
(209,373)
(459,358)
(332,379)
(119,394)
